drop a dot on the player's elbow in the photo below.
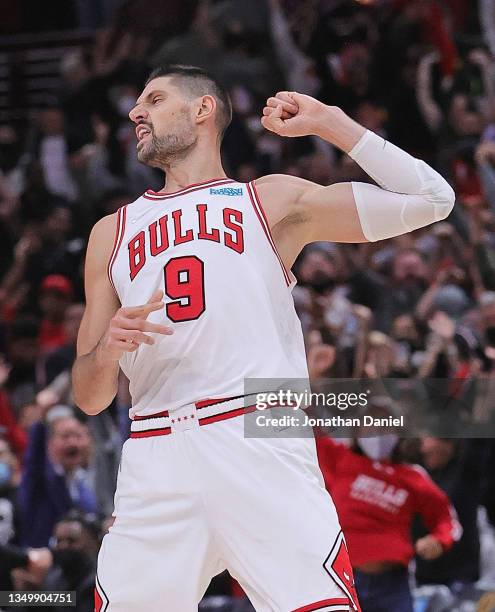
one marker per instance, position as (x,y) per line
(88,397)
(436,191)
(87,402)
(88,407)
(444,201)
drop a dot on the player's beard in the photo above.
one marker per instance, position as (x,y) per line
(162,151)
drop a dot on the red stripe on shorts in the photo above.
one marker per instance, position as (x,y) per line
(98,601)
(222,417)
(212,402)
(318,605)
(149,433)
(151,416)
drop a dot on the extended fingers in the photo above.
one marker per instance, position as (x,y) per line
(155,328)
(129,331)
(124,345)
(142,312)
(142,325)
(134,336)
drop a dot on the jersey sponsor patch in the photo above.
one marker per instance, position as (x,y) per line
(226,191)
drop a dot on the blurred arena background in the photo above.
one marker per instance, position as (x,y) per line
(419,72)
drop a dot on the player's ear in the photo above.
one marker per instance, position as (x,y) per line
(206,108)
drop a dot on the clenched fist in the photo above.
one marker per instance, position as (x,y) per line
(293,114)
(126,330)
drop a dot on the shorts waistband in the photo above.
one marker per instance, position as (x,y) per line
(192,416)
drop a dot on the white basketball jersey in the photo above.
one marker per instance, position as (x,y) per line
(227,295)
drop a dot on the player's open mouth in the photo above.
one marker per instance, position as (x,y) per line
(142,131)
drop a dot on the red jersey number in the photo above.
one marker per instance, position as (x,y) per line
(184,283)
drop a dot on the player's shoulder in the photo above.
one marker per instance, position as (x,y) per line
(284,181)
(280,195)
(102,236)
(104,229)
(282,187)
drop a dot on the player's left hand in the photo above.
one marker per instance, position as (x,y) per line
(428,548)
(293,114)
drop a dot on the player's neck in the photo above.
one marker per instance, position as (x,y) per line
(198,167)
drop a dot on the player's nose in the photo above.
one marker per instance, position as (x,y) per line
(138,113)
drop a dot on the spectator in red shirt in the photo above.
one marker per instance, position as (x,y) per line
(377,497)
(55,297)
(9,428)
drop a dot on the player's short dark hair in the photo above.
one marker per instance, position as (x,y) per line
(197,82)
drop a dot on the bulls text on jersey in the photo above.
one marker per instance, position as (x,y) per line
(168,230)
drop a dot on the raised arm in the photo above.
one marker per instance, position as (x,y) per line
(411,194)
(432,113)
(107,330)
(295,64)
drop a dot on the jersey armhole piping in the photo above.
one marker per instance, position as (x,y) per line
(119,236)
(260,213)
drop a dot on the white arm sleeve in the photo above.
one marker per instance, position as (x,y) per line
(415,195)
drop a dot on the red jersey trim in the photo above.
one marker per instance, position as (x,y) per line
(156,195)
(335,604)
(119,236)
(255,201)
(115,240)
(165,413)
(213,402)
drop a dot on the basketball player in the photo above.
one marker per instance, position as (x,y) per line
(189,292)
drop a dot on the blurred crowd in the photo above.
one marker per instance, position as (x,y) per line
(419,72)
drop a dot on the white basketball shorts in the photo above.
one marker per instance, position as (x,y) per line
(195,497)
